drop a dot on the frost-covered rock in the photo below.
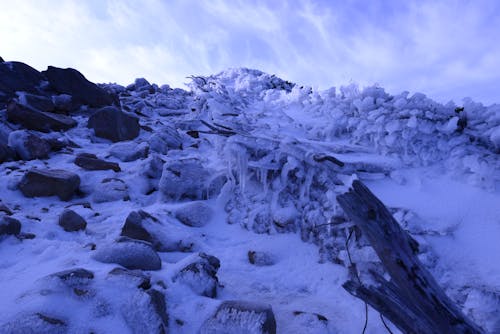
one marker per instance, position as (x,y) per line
(138,278)
(129,253)
(200,275)
(71,221)
(146,312)
(184,179)
(90,161)
(49,182)
(29,146)
(165,139)
(110,190)
(194,214)
(129,151)
(133,228)
(113,124)
(241,317)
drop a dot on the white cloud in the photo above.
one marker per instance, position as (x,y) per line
(446,49)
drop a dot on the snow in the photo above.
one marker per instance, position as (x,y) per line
(259,164)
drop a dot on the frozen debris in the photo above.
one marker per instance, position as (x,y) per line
(241,317)
(129,253)
(71,221)
(49,182)
(184,179)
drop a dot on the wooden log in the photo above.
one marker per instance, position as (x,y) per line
(412,300)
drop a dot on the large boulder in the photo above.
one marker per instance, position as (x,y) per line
(33,119)
(241,317)
(90,161)
(71,221)
(29,146)
(38,102)
(49,182)
(129,253)
(113,124)
(16,76)
(70,81)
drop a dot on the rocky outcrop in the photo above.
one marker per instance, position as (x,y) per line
(49,182)
(70,81)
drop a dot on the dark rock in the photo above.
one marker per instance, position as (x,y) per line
(49,182)
(6,153)
(201,275)
(29,146)
(129,253)
(113,124)
(160,307)
(17,76)
(194,214)
(38,102)
(64,104)
(1,60)
(141,280)
(91,162)
(241,317)
(70,81)
(133,228)
(33,119)
(260,258)
(5,209)
(74,274)
(130,151)
(9,226)
(71,221)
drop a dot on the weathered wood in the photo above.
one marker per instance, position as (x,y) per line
(412,300)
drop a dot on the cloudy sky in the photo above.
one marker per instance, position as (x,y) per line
(446,49)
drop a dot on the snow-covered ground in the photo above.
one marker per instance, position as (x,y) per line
(262,153)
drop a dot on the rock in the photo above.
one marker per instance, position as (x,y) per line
(49,182)
(141,84)
(194,214)
(5,209)
(6,153)
(38,323)
(147,313)
(140,279)
(91,162)
(165,139)
(110,190)
(33,119)
(76,274)
(17,76)
(130,151)
(133,228)
(201,274)
(64,104)
(9,226)
(129,253)
(241,317)
(71,221)
(154,167)
(113,124)
(184,179)
(70,81)
(38,102)
(29,146)
(260,258)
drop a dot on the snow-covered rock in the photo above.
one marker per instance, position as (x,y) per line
(129,253)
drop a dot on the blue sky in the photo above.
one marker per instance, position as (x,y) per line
(446,49)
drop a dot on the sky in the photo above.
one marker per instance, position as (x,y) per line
(446,49)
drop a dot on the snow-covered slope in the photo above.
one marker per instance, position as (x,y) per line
(244,168)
